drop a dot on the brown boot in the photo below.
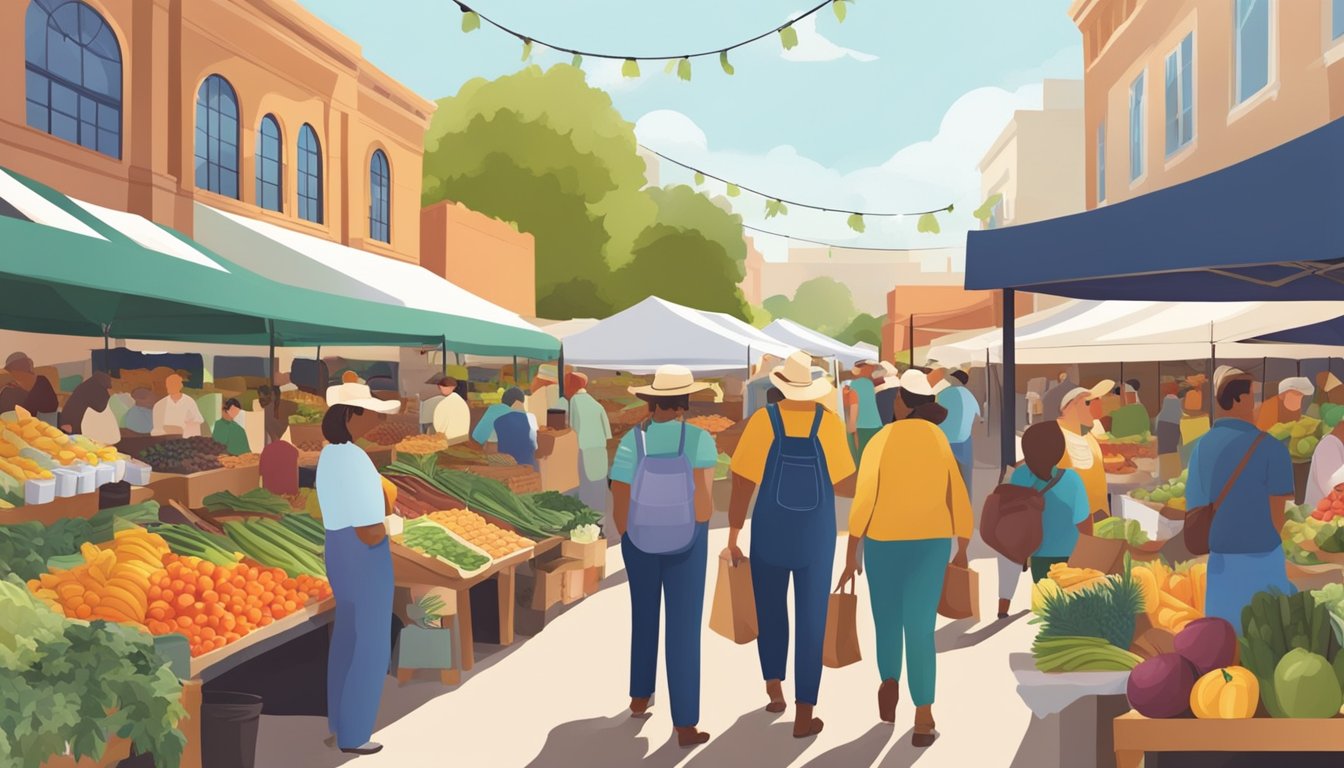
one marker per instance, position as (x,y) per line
(925,731)
(775,690)
(639,708)
(1003,608)
(804,724)
(888,695)
(690,737)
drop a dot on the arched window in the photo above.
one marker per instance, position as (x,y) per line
(269,151)
(217,137)
(73,75)
(380,198)
(310,175)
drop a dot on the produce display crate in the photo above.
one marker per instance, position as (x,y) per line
(560,462)
(192,489)
(85,505)
(520,480)
(263,639)
(1136,735)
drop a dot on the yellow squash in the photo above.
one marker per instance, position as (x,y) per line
(1230,693)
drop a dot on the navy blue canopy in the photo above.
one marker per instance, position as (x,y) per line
(1265,229)
(1329,333)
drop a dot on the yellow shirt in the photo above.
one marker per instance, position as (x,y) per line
(1093,473)
(759,437)
(910,487)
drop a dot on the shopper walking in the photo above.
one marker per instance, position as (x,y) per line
(661,483)
(962,413)
(1082,452)
(1168,431)
(1251,476)
(359,567)
(863,417)
(1066,506)
(592,427)
(794,452)
(909,505)
(887,393)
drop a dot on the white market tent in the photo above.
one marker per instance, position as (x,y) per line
(818,344)
(1139,331)
(655,332)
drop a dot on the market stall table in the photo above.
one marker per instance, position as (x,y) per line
(1136,735)
(251,645)
(85,505)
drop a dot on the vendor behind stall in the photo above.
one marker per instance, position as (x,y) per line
(27,389)
(140,417)
(1295,393)
(228,432)
(516,431)
(452,416)
(87,413)
(277,423)
(545,393)
(177,414)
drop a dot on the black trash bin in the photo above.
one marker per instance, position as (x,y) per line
(229,724)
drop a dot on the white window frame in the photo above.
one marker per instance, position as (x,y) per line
(1182,99)
(1138,88)
(1332,46)
(1239,105)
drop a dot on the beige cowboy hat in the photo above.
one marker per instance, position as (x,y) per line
(359,396)
(797,378)
(671,381)
(916,382)
(891,377)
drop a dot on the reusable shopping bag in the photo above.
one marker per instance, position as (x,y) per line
(733,614)
(841,647)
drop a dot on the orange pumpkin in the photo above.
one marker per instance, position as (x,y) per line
(1230,693)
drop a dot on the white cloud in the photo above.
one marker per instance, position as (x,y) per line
(813,46)
(924,175)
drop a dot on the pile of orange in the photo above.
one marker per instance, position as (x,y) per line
(214,605)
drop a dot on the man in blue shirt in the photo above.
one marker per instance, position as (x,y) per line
(1245,550)
(962,411)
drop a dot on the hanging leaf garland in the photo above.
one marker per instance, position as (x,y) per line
(986,209)
(856,222)
(928,223)
(576,62)
(734,190)
(788,37)
(699,179)
(775,208)
(630,68)
(684,69)
(838,6)
(527,49)
(670,67)
(471,21)
(723,62)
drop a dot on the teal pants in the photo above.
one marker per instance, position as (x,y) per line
(905,581)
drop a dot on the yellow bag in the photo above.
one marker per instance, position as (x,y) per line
(1193,428)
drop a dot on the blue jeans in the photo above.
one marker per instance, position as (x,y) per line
(679,582)
(811,593)
(361,641)
(1234,578)
(905,581)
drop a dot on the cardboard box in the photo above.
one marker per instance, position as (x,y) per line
(572,587)
(192,489)
(560,460)
(592,555)
(551,580)
(592,579)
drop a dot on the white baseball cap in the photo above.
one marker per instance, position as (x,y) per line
(1098,390)
(1297,384)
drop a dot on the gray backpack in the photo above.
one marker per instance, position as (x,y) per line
(662,500)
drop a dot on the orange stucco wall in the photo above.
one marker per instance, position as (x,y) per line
(483,255)
(939,310)
(280,59)
(1122,38)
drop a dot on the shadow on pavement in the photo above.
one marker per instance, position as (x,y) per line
(1040,744)
(903,753)
(954,636)
(757,738)
(605,742)
(859,752)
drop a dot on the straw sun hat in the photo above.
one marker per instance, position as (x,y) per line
(796,378)
(671,381)
(359,396)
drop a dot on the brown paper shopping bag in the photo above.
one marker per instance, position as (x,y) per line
(733,614)
(1105,555)
(961,594)
(841,647)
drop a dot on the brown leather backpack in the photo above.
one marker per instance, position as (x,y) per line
(1199,521)
(1011,520)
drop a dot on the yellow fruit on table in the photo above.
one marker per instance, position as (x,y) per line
(1230,693)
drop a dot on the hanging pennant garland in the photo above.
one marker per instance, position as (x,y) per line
(824,243)
(778,206)
(679,63)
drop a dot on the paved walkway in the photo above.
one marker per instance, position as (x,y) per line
(559,700)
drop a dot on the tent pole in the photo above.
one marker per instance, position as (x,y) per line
(443,351)
(560,371)
(1264,377)
(107,351)
(1008,411)
(270,374)
(516,380)
(1213,366)
(912,339)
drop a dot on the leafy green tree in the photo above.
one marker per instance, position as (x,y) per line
(822,304)
(543,149)
(865,328)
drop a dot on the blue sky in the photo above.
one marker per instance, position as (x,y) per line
(891,109)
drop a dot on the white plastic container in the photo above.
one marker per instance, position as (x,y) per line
(119,470)
(88,478)
(39,491)
(67,482)
(137,472)
(104,473)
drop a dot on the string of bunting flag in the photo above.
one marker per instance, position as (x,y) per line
(678,63)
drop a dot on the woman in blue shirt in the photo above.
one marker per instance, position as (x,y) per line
(359,566)
(1066,506)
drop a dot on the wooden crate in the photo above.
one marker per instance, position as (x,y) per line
(192,489)
(84,505)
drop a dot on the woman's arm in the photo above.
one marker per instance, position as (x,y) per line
(620,505)
(372,535)
(704,495)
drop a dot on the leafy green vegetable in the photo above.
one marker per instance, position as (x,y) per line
(492,497)
(433,540)
(25,548)
(67,682)
(1274,624)
(1106,611)
(255,500)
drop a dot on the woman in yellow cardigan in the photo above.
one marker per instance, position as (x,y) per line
(909,504)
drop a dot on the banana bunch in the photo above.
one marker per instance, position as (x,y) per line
(114,582)
(20,430)
(21,469)
(1073,579)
